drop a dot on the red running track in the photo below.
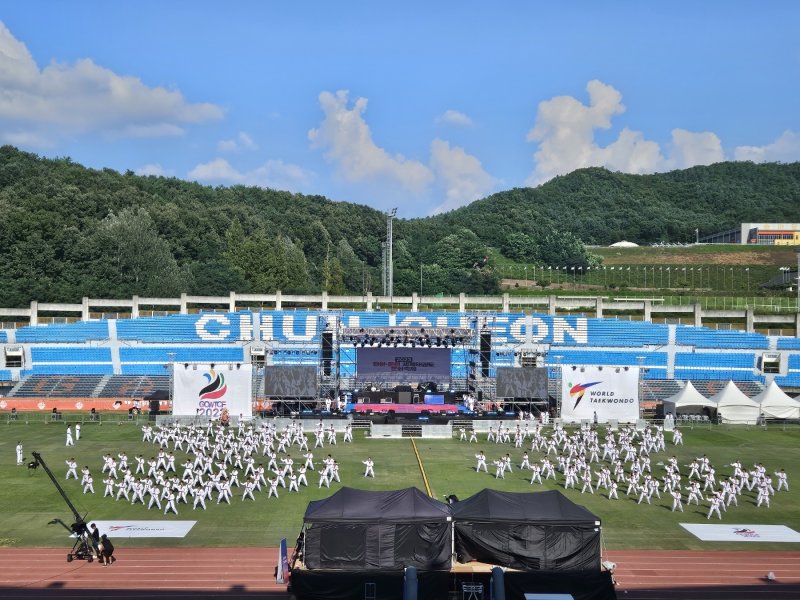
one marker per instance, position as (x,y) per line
(687,575)
(221,573)
(139,573)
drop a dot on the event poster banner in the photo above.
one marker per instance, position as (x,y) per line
(611,393)
(207,390)
(404,364)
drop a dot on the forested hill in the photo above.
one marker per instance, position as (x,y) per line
(67,231)
(601,207)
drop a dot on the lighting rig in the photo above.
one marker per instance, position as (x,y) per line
(406,337)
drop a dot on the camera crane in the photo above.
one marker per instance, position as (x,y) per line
(82,550)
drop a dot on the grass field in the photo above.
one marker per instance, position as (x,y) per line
(702,270)
(28,500)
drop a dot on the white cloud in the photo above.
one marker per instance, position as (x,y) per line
(28,139)
(565,130)
(784,149)
(347,141)
(454,117)
(154,169)
(149,130)
(84,97)
(218,169)
(452,175)
(239,143)
(460,175)
(274,174)
(690,149)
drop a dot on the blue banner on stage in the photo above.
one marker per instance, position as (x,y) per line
(283,563)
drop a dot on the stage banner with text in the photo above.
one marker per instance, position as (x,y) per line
(404,364)
(611,393)
(206,390)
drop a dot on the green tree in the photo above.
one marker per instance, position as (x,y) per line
(136,257)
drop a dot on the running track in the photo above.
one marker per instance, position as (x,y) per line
(222,573)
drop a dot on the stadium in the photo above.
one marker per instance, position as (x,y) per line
(412,371)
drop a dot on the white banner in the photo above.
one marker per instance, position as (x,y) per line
(599,393)
(742,533)
(144,529)
(207,390)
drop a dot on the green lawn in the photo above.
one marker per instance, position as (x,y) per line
(28,500)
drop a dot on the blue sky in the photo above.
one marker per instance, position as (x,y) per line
(424,106)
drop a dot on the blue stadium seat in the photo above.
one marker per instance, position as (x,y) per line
(165,354)
(702,337)
(62,369)
(82,331)
(62,354)
(603,357)
(788,343)
(206,327)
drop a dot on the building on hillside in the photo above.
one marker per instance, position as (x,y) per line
(767,234)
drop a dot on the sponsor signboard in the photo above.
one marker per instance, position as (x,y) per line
(611,393)
(144,529)
(207,390)
(742,533)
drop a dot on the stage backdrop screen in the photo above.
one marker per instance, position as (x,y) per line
(602,390)
(290,382)
(521,382)
(404,364)
(207,390)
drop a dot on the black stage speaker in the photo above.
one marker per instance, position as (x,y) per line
(486,352)
(327,352)
(155,407)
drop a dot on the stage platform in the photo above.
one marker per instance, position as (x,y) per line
(413,409)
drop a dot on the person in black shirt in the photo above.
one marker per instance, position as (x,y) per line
(94,538)
(106,551)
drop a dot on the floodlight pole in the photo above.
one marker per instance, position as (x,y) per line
(797,308)
(171,373)
(388,264)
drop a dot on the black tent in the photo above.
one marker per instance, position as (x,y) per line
(536,531)
(358,529)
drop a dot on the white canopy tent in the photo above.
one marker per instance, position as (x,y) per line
(734,406)
(776,404)
(687,398)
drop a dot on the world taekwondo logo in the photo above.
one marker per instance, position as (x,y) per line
(216,387)
(578,390)
(745,532)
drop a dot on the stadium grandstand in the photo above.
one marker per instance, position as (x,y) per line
(768,234)
(121,360)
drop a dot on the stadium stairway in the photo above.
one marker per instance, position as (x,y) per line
(100,385)
(13,391)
